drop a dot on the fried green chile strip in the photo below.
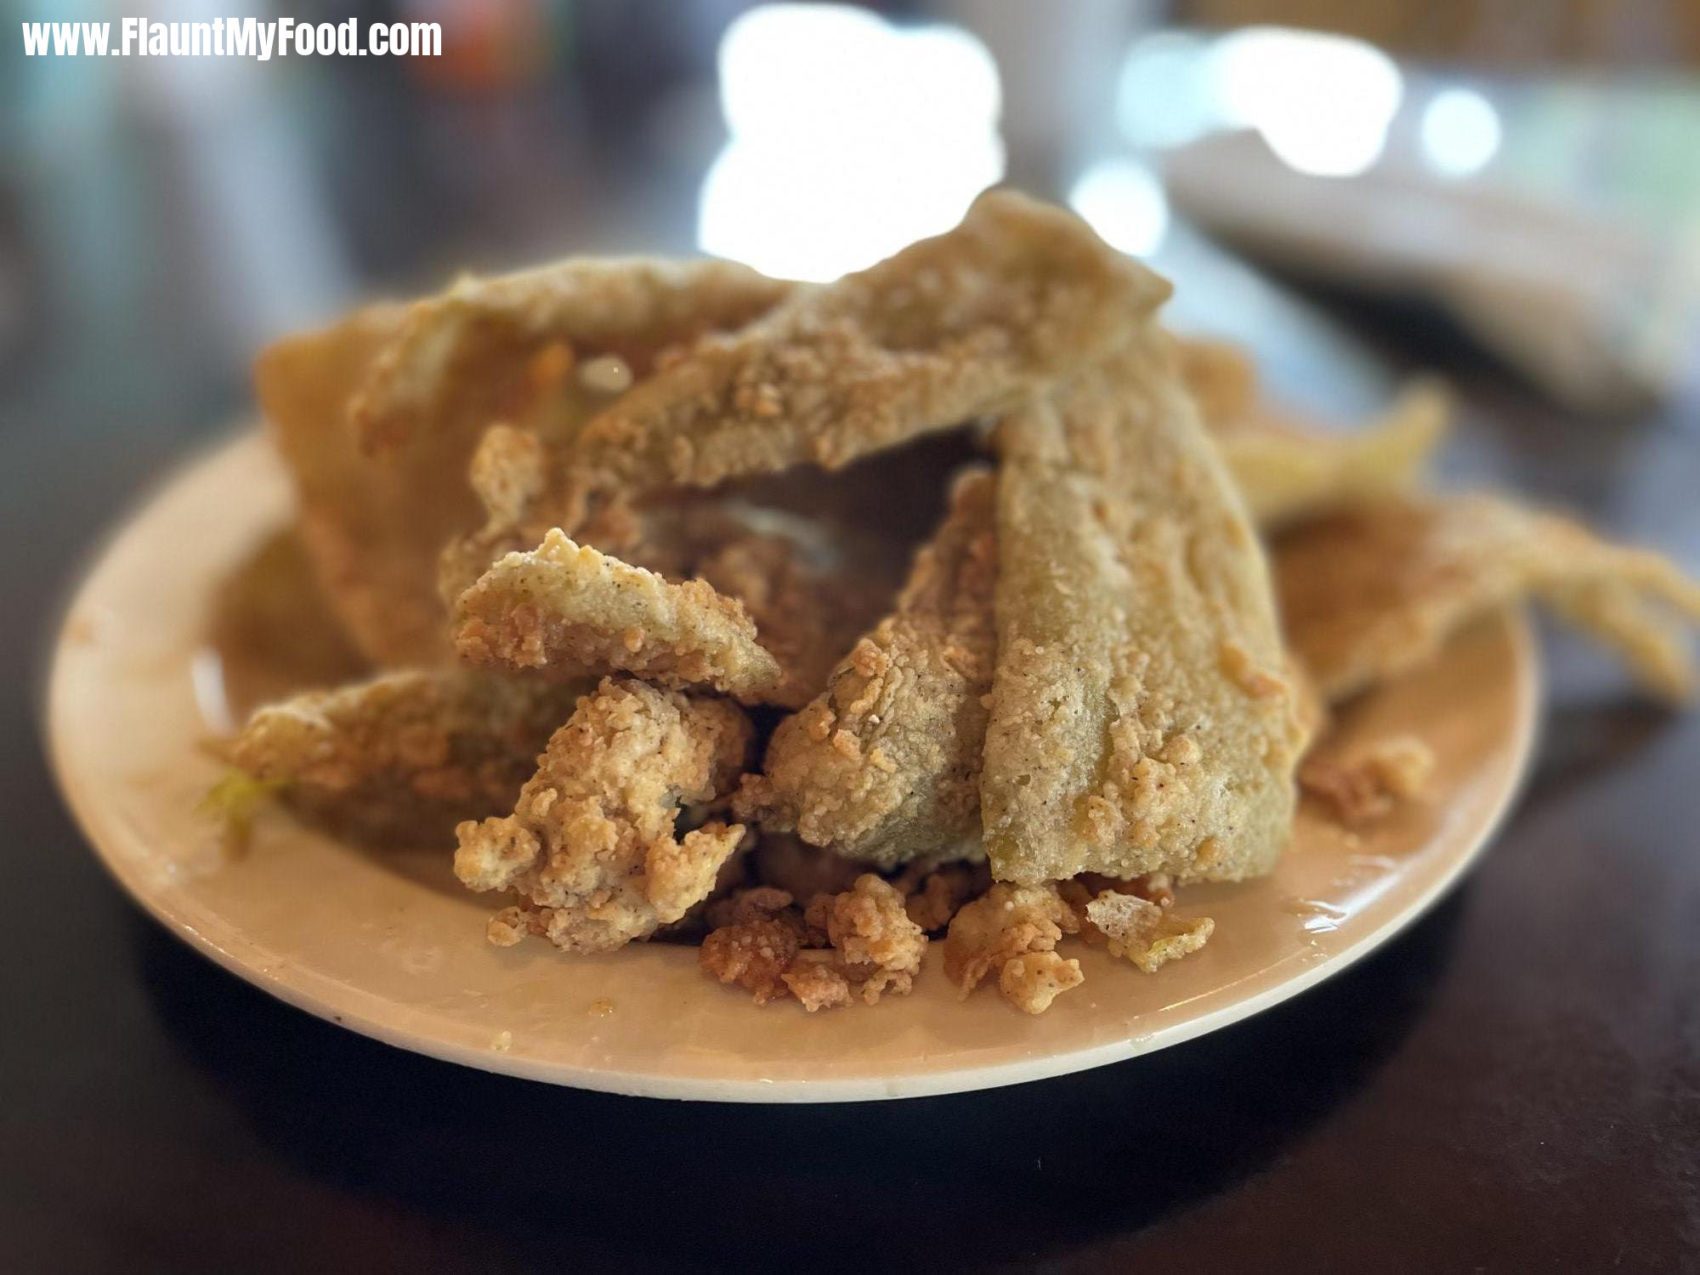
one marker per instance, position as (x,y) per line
(948,329)
(1141,718)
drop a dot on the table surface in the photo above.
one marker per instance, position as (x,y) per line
(1512,1085)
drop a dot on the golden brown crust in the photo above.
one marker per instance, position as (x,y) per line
(1019,924)
(1287,474)
(946,330)
(1370,593)
(762,941)
(1148,935)
(406,756)
(570,611)
(884,765)
(372,531)
(591,845)
(427,380)
(1140,720)
(491,348)
(1367,784)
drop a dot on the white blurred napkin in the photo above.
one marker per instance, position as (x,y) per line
(1600,315)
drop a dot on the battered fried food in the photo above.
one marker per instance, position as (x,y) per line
(876,948)
(764,945)
(1140,717)
(373,532)
(427,380)
(1012,931)
(592,845)
(810,586)
(884,765)
(273,628)
(1286,473)
(949,329)
(1370,593)
(404,757)
(568,610)
(1142,932)
(502,348)
(1367,784)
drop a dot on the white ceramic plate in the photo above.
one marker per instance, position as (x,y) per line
(389,945)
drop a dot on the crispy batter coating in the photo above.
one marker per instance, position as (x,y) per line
(1287,474)
(935,897)
(877,948)
(571,611)
(1367,784)
(884,765)
(1221,376)
(1140,718)
(273,628)
(755,953)
(1370,593)
(1144,933)
(372,531)
(946,330)
(404,757)
(1013,923)
(810,586)
(426,381)
(761,944)
(1033,981)
(491,348)
(591,846)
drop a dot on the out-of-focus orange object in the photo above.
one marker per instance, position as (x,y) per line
(488,45)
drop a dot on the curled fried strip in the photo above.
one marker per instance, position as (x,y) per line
(1286,473)
(591,846)
(948,329)
(492,348)
(1141,720)
(568,610)
(1368,594)
(426,380)
(406,756)
(884,765)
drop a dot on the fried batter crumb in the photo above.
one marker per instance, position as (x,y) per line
(875,948)
(1367,786)
(1145,933)
(937,896)
(1007,923)
(754,954)
(591,845)
(879,947)
(1032,982)
(818,984)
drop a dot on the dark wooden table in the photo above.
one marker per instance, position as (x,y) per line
(1513,1085)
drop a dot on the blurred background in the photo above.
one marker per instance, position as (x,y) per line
(1353,187)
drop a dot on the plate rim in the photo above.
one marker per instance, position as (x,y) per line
(346,1010)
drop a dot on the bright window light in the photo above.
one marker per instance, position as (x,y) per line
(1322,102)
(1124,203)
(1460,132)
(851,137)
(1162,95)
